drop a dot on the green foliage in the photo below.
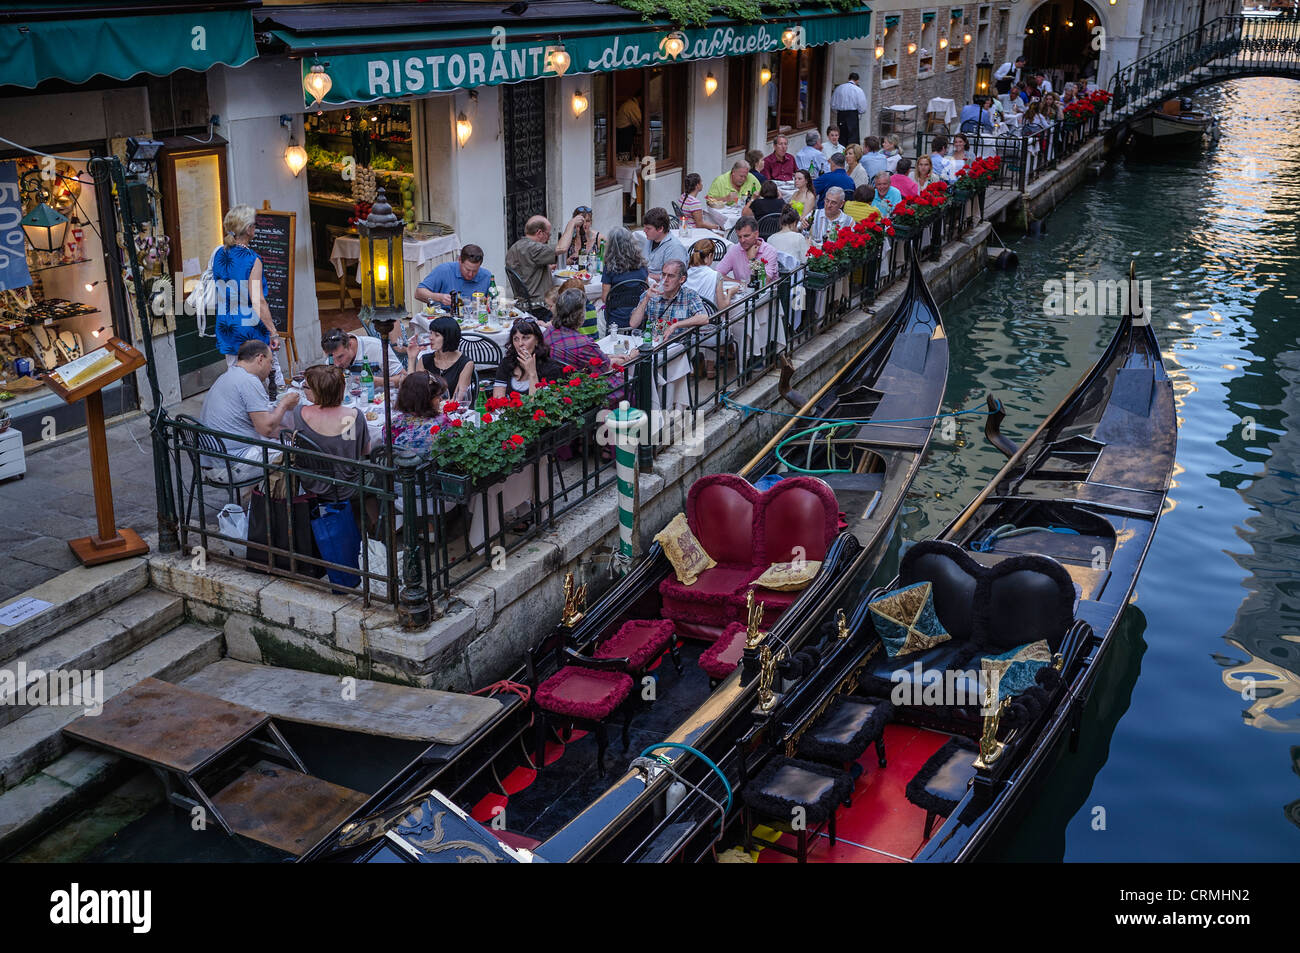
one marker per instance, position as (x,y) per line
(698,12)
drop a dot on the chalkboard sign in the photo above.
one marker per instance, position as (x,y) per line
(274,243)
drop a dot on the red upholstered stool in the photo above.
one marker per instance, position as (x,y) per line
(721,658)
(641,642)
(586,696)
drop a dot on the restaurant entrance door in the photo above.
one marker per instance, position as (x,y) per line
(524,105)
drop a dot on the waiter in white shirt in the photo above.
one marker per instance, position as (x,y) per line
(1008,74)
(848,102)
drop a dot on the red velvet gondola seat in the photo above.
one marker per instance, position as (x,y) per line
(721,658)
(584,693)
(641,642)
(745,531)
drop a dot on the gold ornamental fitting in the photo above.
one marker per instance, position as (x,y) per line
(753,618)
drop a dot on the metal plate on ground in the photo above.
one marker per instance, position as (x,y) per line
(166,725)
(284,808)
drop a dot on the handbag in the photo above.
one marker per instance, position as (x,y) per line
(202,299)
(289,529)
(232,521)
(338,540)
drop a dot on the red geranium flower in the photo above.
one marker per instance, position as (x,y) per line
(455,423)
(450,407)
(505,445)
(596,362)
(568,400)
(538,414)
(487,418)
(434,429)
(594,375)
(517,440)
(568,368)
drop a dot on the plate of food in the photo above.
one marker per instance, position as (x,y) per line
(567,273)
(372,416)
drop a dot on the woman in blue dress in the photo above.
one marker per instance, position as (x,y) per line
(242,311)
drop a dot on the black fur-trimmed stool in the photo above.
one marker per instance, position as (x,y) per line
(942,781)
(787,785)
(844,731)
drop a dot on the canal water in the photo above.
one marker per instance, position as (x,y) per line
(1191,748)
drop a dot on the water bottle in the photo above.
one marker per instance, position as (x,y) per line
(367,382)
(647,337)
(494,295)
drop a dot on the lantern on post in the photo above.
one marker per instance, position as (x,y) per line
(383,293)
(44,226)
(983,75)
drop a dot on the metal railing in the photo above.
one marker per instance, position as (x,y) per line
(1025,157)
(423,532)
(1240,44)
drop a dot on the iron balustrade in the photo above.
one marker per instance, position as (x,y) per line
(437,529)
(1236,45)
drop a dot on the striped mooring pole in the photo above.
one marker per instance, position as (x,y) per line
(626,424)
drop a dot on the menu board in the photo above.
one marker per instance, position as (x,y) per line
(274,243)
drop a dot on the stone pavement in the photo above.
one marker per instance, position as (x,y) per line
(54,502)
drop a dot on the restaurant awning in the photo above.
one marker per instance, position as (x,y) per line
(75,41)
(434,52)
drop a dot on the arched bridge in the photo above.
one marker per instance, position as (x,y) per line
(1225,48)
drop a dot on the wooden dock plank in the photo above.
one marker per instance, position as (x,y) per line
(373,708)
(284,808)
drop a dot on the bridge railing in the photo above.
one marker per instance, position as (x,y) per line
(1237,43)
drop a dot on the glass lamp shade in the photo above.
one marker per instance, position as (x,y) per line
(382,287)
(710,85)
(45,228)
(983,74)
(317,83)
(295,157)
(764,75)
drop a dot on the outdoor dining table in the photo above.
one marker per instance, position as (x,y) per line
(591,288)
(670,388)
(725,217)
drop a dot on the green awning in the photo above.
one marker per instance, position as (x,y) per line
(404,62)
(74,49)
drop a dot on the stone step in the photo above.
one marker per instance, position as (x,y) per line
(55,793)
(94,644)
(36,739)
(74,597)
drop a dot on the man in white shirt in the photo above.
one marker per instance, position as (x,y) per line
(848,102)
(939,158)
(1008,74)
(1044,84)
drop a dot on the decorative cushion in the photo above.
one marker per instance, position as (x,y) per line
(905,620)
(585,693)
(789,577)
(787,783)
(1016,669)
(953,576)
(711,599)
(721,658)
(942,781)
(845,728)
(640,641)
(683,550)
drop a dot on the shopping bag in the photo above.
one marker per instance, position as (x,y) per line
(202,299)
(289,529)
(232,521)
(377,554)
(338,540)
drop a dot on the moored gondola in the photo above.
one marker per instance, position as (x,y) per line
(996,630)
(669,663)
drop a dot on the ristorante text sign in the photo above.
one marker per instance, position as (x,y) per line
(365,77)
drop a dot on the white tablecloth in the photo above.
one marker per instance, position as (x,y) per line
(628,176)
(671,379)
(757,322)
(946,109)
(419,258)
(725,217)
